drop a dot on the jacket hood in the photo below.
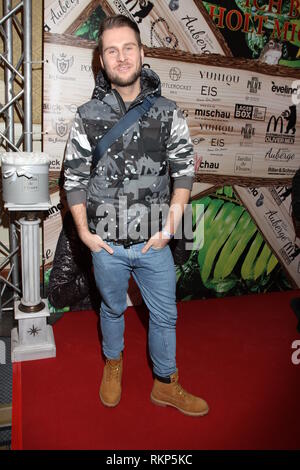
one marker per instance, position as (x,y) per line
(150,83)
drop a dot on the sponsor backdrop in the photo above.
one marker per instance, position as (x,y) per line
(232,68)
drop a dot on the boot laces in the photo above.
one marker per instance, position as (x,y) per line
(180,390)
(113,371)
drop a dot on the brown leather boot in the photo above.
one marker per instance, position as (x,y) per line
(173,394)
(110,389)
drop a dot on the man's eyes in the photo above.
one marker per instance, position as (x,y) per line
(114,51)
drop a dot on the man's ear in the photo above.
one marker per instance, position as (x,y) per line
(142,55)
(101,61)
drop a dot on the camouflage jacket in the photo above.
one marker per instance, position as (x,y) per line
(134,174)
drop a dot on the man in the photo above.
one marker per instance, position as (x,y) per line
(112,207)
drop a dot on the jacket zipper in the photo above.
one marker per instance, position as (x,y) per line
(120,101)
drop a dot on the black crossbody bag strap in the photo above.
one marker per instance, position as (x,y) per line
(121,126)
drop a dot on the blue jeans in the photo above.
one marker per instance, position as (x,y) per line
(154,273)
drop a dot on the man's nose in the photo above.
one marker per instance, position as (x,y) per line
(121,56)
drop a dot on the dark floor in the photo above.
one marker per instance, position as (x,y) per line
(5,385)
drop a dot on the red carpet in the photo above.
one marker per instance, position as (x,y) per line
(235,353)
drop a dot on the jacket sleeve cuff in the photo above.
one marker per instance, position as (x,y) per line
(185,182)
(76,197)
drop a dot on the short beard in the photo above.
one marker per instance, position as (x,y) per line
(118,81)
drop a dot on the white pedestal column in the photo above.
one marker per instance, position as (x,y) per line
(33,339)
(30,252)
